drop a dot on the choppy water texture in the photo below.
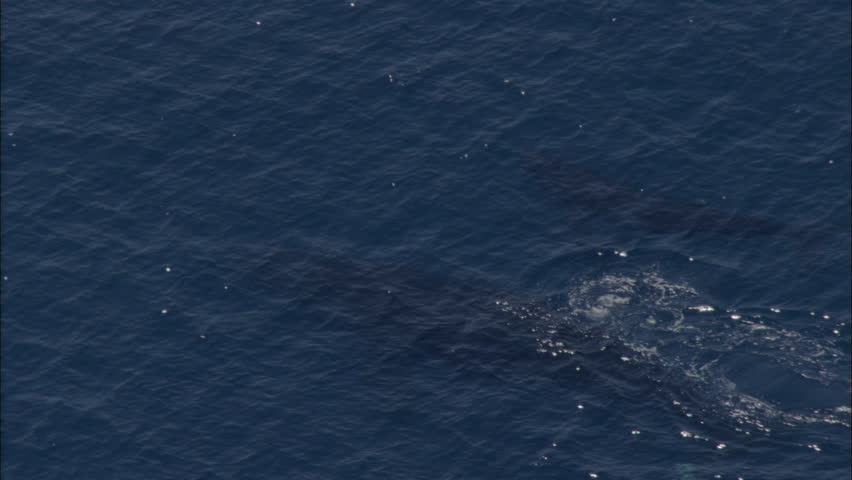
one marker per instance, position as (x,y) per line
(426,240)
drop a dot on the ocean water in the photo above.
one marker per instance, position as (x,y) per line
(443,240)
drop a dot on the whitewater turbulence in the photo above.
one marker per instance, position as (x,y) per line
(677,336)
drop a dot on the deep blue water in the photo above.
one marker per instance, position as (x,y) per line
(426,240)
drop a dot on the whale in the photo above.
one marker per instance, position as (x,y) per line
(576,185)
(411,314)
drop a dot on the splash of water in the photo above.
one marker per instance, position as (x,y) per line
(671,328)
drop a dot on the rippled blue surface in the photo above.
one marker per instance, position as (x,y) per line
(426,240)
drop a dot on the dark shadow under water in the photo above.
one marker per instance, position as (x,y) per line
(578,186)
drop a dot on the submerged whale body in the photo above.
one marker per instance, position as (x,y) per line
(428,310)
(413,317)
(579,186)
